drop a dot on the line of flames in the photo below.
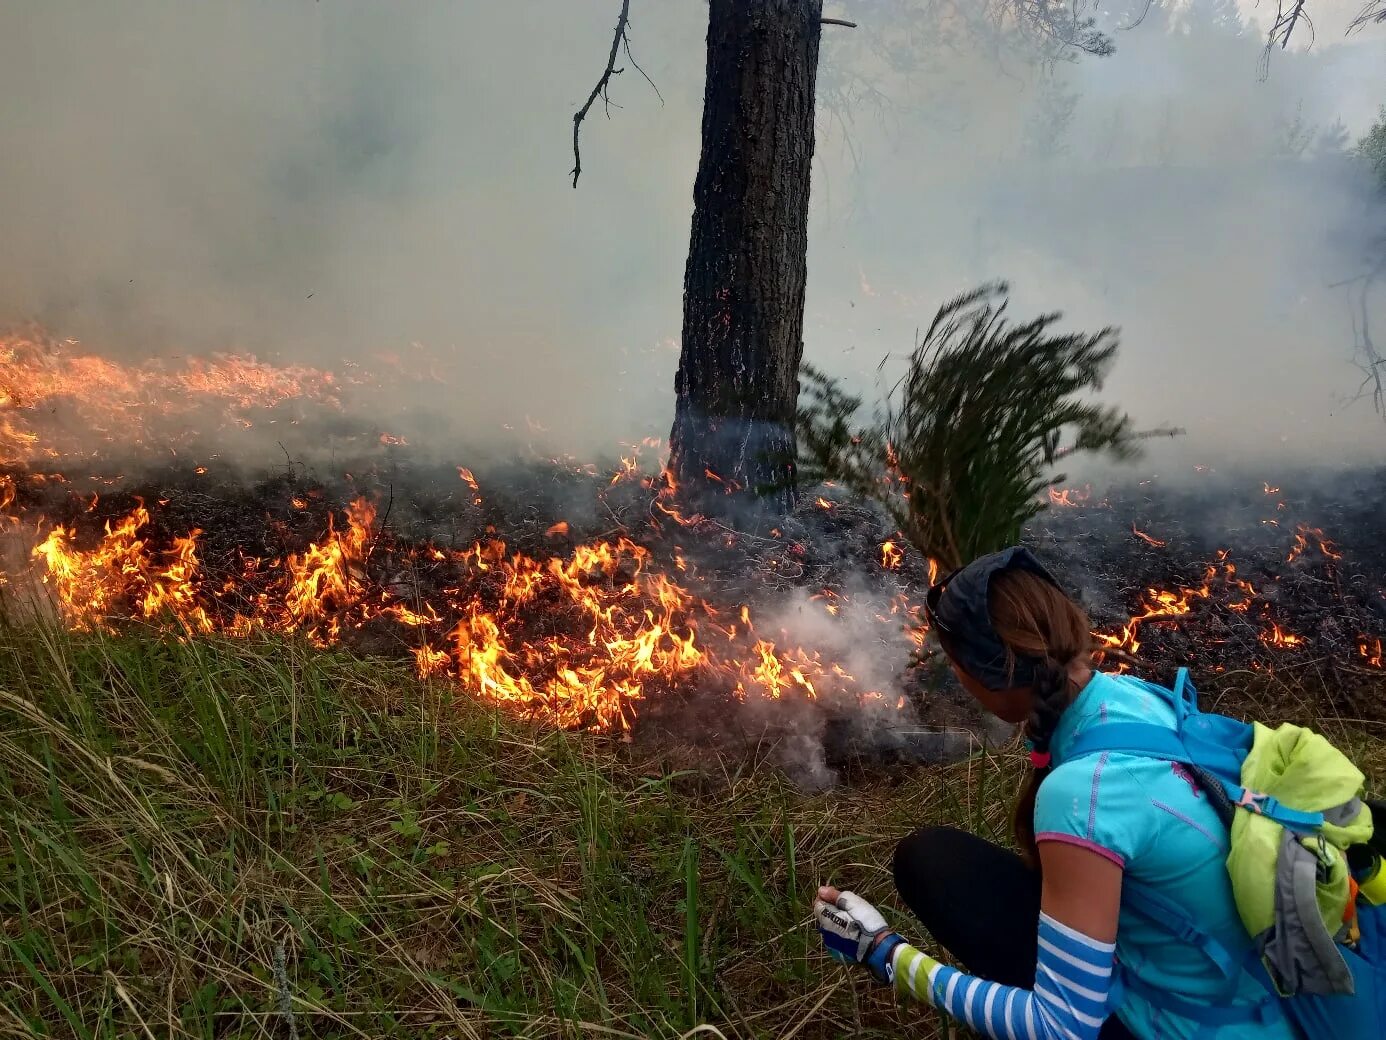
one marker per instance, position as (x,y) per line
(117,403)
(634,627)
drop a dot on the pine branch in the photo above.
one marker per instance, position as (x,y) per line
(963,446)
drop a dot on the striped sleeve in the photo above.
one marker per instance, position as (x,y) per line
(1073,976)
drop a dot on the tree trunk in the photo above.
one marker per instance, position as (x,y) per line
(733,439)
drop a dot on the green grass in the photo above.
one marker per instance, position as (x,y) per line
(253,838)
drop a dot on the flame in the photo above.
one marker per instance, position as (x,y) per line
(573,640)
(101,401)
(120,577)
(891,556)
(557,530)
(1070,497)
(328,578)
(1270,490)
(1277,637)
(1157,543)
(1157,605)
(1370,650)
(467,478)
(1302,536)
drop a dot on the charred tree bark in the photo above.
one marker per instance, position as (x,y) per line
(743,305)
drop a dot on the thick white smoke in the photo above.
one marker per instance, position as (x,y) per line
(314,181)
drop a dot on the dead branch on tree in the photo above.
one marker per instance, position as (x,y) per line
(838,21)
(1368,358)
(1288,15)
(620,40)
(1374,11)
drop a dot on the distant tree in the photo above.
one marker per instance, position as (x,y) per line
(1334,140)
(1046,131)
(1294,136)
(1372,149)
(1202,16)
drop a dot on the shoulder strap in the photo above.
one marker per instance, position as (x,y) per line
(1131,738)
(1174,920)
(1210,1016)
(1179,924)
(1147,740)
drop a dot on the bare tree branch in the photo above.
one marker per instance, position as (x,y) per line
(636,65)
(599,90)
(1288,15)
(1146,11)
(1374,11)
(1368,358)
(838,21)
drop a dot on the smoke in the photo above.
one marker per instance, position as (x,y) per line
(326,181)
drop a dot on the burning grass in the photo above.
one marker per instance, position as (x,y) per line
(235,838)
(571,632)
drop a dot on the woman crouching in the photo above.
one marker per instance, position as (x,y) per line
(1040,934)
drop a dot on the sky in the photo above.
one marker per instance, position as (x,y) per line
(319,181)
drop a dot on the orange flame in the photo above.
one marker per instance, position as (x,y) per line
(1070,497)
(1302,536)
(1277,637)
(610,625)
(1156,542)
(120,404)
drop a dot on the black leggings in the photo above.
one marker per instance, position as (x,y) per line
(980,902)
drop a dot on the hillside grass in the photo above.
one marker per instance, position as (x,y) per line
(217,838)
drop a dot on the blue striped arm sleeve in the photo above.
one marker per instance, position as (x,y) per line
(1073,976)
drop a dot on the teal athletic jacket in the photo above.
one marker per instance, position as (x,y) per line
(1150,817)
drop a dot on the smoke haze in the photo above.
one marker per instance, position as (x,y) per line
(317,181)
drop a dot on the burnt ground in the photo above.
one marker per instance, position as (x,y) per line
(1327,597)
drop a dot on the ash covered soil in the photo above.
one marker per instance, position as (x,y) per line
(1223,573)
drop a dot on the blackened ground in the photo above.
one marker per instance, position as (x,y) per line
(1329,596)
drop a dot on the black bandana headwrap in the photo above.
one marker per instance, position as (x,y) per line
(958,608)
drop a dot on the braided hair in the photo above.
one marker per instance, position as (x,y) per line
(1035,620)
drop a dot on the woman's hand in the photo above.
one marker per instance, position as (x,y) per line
(854,931)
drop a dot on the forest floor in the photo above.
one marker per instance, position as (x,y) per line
(251,838)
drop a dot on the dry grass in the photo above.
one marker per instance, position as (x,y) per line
(239,839)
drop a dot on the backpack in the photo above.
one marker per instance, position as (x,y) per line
(1292,804)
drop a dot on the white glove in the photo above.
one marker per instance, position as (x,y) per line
(849,931)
